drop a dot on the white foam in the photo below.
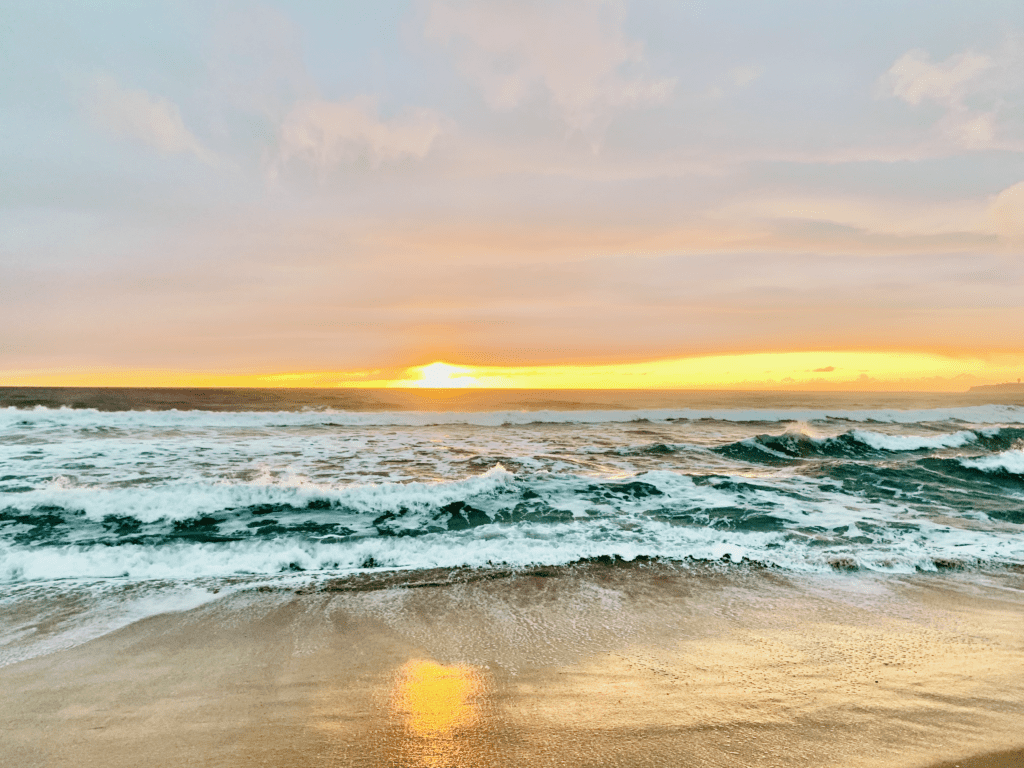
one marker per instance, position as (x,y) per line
(181,501)
(630,532)
(883,442)
(1011,461)
(517,546)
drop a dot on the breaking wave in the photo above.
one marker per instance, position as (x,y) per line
(1009,463)
(861,443)
(493,518)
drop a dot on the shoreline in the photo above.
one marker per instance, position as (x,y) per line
(598,664)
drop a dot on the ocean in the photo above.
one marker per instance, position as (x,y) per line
(104,484)
(136,500)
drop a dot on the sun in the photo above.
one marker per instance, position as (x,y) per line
(442,375)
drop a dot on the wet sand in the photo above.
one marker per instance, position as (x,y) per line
(1012,759)
(597,665)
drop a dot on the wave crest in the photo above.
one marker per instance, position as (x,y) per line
(1006,463)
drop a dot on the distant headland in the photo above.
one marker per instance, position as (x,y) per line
(1010,386)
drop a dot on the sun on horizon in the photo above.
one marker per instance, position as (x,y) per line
(823,370)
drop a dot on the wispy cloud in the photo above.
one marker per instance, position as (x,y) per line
(904,218)
(574,52)
(142,117)
(1006,214)
(327,133)
(971,87)
(915,78)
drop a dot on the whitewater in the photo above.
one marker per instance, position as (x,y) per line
(137,490)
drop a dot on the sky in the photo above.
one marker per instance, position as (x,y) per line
(806,193)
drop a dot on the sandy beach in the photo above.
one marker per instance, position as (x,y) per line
(602,665)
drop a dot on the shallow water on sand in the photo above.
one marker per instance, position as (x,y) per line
(603,664)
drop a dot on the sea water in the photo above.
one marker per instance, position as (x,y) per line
(168,496)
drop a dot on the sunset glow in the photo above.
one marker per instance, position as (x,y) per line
(790,370)
(440,375)
(810,370)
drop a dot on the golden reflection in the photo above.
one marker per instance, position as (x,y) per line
(438,705)
(436,700)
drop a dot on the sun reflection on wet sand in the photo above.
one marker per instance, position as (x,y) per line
(438,705)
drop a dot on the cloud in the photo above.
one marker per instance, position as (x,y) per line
(901,218)
(972,131)
(827,369)
(974,89)
(914,78)
(258,71)
(572,51)
(328,133)
(144,118)
(1006,213)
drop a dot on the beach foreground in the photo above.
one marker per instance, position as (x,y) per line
(598,664)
